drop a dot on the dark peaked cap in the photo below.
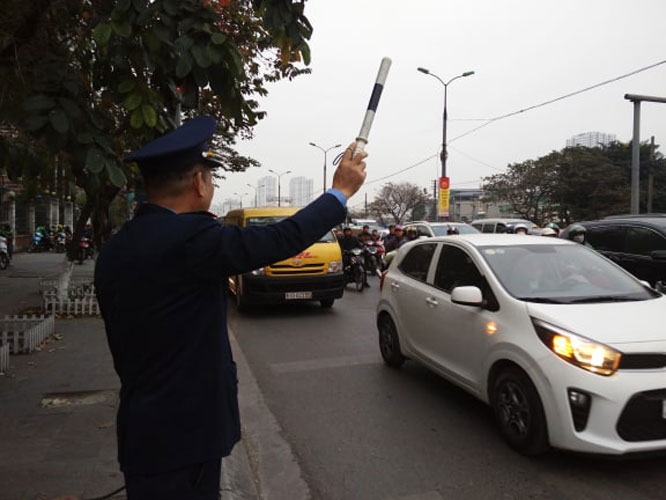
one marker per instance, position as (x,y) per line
(180,149)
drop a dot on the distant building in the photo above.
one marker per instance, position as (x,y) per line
(300,191)
(591,140)
(267,191)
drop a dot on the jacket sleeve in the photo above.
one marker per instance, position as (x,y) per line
(215,251)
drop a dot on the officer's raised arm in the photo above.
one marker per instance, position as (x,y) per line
(350,174)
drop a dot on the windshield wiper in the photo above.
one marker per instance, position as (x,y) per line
(541,300)
(604,298)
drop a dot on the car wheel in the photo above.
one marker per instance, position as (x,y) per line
(519,412)
(327,303)
(389,343)
(4,261)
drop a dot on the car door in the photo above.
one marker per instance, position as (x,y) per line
(455,338)
(640,242)
(408,291)
(607,240)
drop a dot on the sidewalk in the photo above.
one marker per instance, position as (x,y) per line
(58,407)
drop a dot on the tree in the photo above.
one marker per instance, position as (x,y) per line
(395,201)
(82,83)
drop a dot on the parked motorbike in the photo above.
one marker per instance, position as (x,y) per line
(4,254)
(82,252)
(354,270)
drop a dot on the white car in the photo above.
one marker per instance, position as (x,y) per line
(567,348)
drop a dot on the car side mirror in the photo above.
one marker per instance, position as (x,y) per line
(467,296)
(658,254)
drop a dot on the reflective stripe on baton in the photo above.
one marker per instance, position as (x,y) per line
(362,138)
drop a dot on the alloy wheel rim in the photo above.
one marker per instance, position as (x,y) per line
(514,410)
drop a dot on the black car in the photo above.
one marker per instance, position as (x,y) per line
(637,243)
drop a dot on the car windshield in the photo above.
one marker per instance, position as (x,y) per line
(441,230)
(266,221)
(561,274)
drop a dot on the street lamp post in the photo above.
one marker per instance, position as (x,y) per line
(279,182)
(240,197)
(255,192)
(325,151)
(446,85)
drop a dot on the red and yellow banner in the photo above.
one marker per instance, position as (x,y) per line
(444,193)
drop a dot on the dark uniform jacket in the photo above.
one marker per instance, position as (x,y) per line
(161,284)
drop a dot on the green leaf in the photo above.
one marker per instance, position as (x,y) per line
(126,86)
(200,53)
(305,53)
(116,175)
(218,38)
(38,103)
(102,33)
(84,138)
(36,122)
(184,66)
(162,33)
(136,120)
(70,107)
(236,58)
(122,28)
(133,101)
(171,7)
(123,5)
(149,115)
(94,161)
(184,43)
(151,41)
(59,121)
(139,5)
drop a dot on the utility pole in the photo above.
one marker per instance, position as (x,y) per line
(650,176)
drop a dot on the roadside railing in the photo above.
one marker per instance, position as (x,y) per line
(78,299)
(22,335)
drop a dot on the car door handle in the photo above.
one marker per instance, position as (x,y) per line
(395,286)
(431,302)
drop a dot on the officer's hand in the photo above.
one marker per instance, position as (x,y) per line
(350,174)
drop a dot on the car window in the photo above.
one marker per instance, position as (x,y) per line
(606,238)
(501,228)
(456,268)
(417,262)
(488,228)
(423,231)
(642,240)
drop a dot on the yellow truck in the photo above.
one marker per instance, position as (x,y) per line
(314,274)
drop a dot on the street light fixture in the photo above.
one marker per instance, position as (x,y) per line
(240,196)
(255,191)
(279,182)
(446,85)
(325,151)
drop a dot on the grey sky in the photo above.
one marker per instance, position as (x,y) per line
(523,53)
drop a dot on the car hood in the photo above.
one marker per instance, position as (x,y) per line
(611,323)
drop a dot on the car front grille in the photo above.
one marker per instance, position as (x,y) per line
(643,361)
(643,417)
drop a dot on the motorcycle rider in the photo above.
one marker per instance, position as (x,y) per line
(348,242)
(578,234)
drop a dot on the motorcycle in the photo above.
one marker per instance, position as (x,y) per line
(82,253)
(373,252)
(354,270)
(4,254)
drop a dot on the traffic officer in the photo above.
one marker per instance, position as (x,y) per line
(161,285)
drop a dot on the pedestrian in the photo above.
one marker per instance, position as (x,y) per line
(161,285)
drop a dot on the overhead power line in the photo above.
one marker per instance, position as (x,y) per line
(530,108)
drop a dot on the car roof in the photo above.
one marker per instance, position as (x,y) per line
(659,222)
(413,222)
(498,239)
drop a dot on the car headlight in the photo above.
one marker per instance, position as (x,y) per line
(581,352)
(258,272)
(335,266)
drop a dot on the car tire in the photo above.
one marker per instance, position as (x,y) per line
(389,343)
(4,261)
(518,412)
(327,303)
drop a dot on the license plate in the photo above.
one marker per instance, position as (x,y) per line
(297,295)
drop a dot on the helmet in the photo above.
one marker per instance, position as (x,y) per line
(554,226)
(520,227)
(452,230)
(548,231)
(575,229)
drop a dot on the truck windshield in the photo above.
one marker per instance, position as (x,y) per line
(266,221)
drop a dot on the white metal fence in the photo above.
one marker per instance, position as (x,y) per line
(23,334)
(78,299)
